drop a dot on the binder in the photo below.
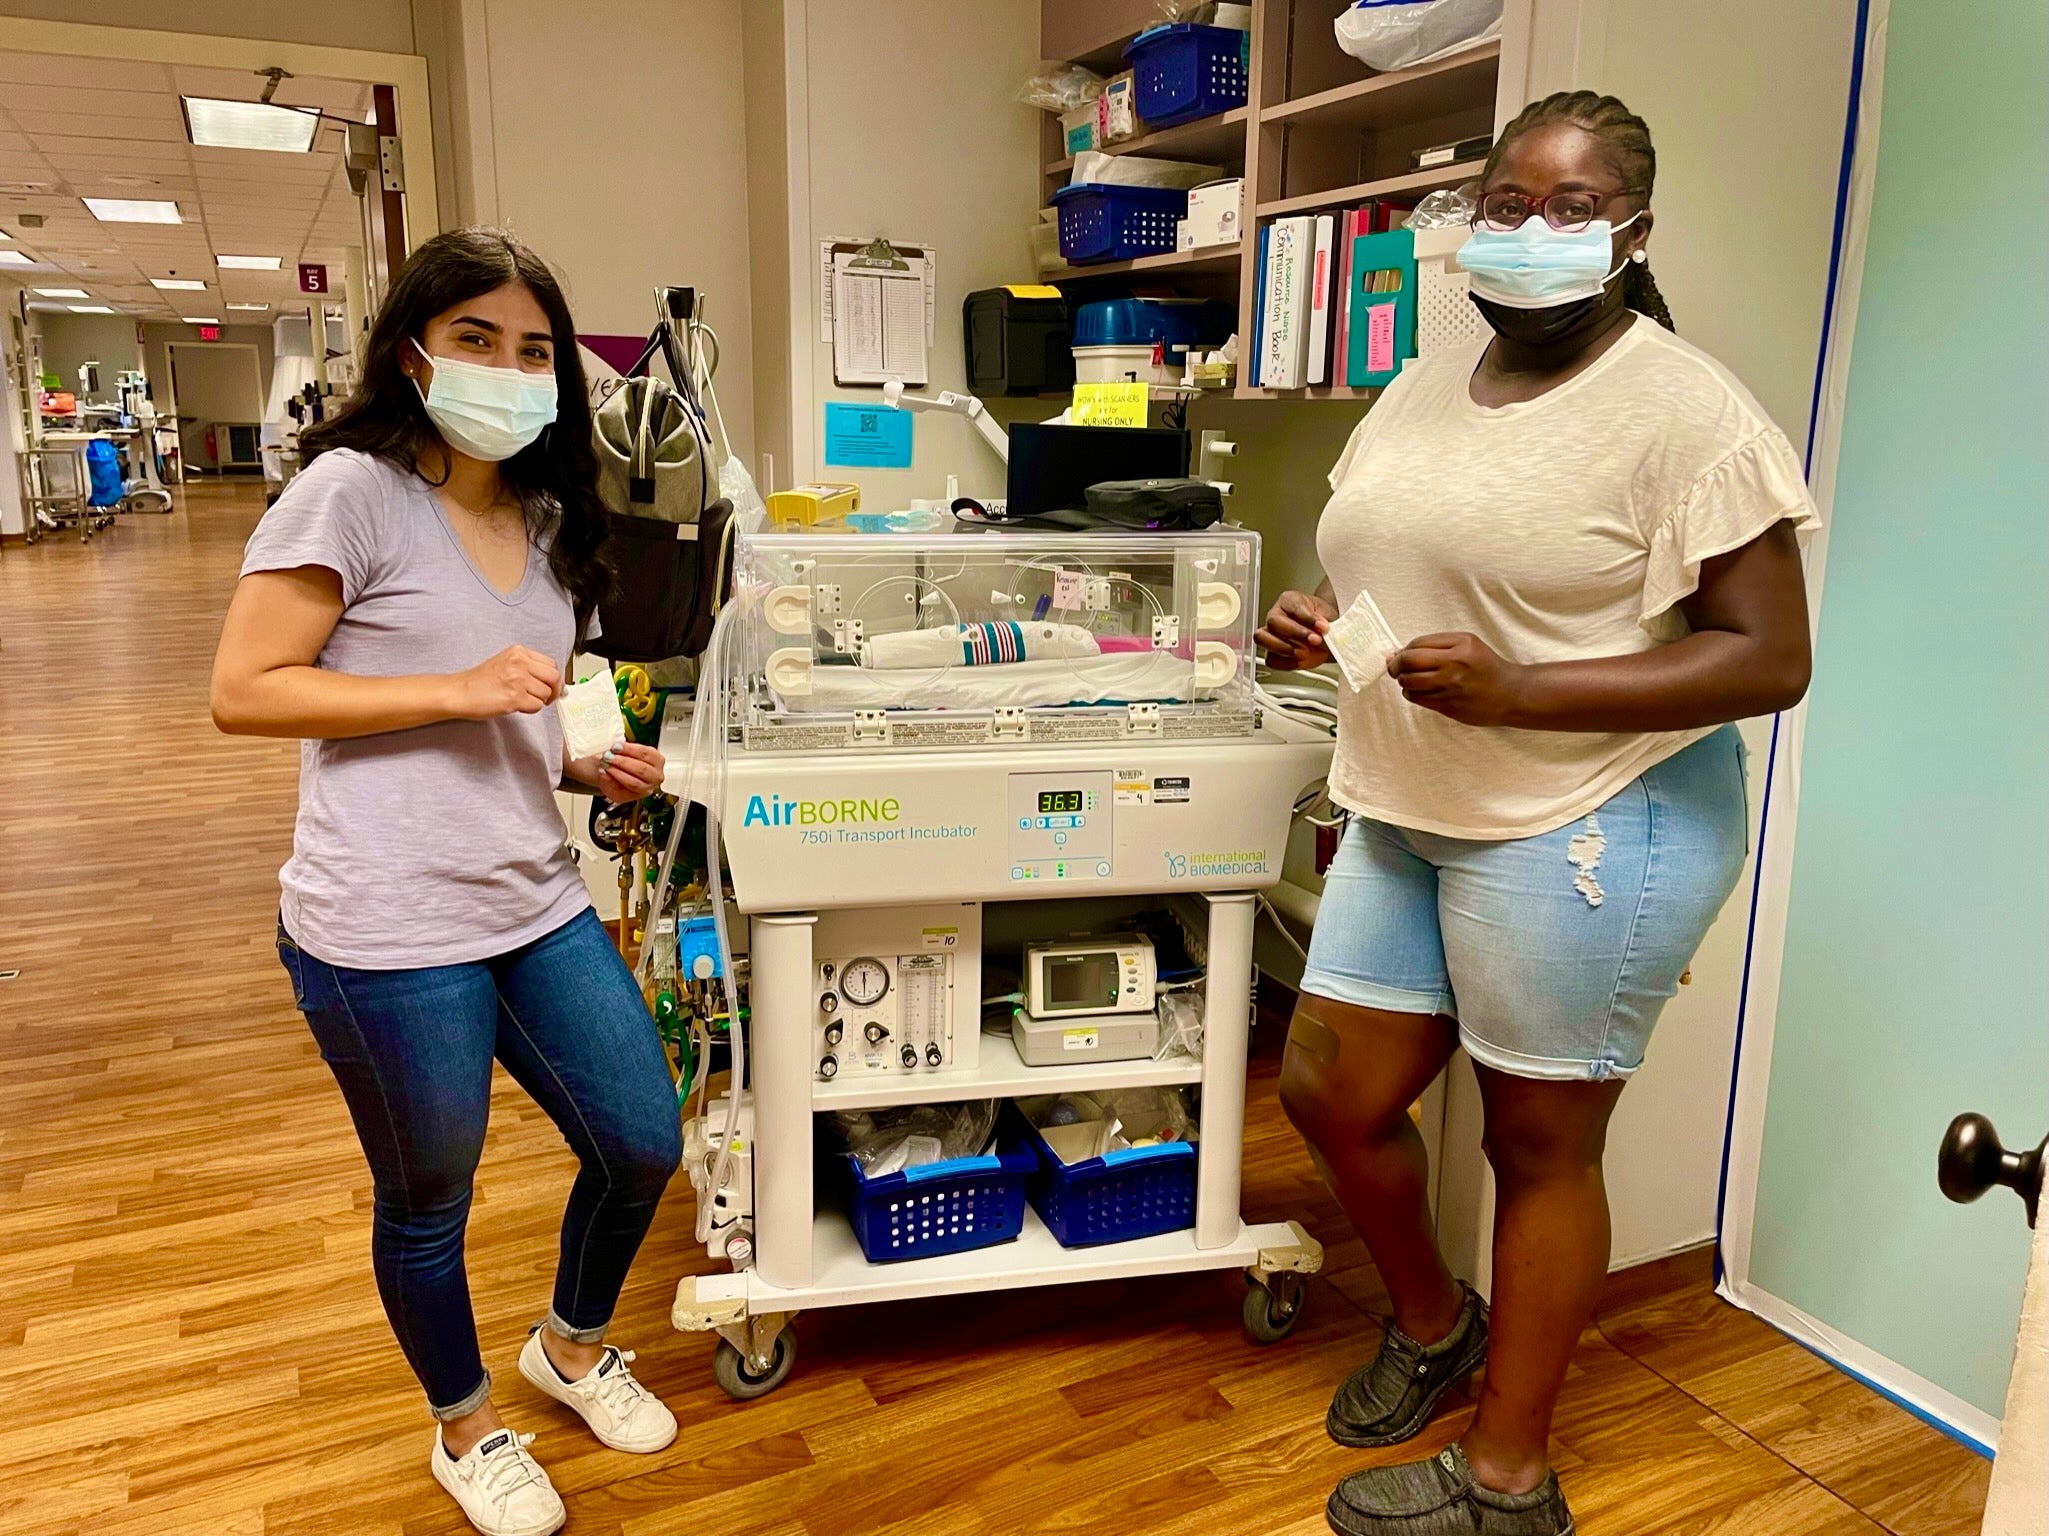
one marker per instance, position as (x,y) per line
(1383,305)
(1322,300)
(1290,260)
(1254,373)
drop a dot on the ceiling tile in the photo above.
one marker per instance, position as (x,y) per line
(85,125)
(89,74)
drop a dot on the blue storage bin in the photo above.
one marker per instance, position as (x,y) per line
(1102,222)
(1180,323)
(1184,71)
(949,1207)
(1139,1192)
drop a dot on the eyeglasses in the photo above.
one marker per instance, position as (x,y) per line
(1566,212)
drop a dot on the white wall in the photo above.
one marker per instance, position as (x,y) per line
(611,139)
(883,145)
(157,364)
(70,341)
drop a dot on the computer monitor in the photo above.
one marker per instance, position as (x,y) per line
(1052,467)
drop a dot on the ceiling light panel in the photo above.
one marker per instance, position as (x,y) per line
(212,123)
(15,259)
(90,309)
(63,293)
(128,210)
(181,284)
(250,263)
(249,306)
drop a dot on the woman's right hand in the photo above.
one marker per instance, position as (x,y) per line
(1293,634)
(515,681)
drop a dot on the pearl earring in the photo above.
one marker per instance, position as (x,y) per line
(1639,255)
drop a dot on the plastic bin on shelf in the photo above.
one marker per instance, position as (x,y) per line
(1183,71)
(1103,222)
(949,1207)
(1138,1192)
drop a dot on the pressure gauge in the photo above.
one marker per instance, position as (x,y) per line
(864,982)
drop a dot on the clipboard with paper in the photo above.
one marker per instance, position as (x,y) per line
(879,321)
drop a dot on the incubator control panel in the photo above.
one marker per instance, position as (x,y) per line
(1060,827)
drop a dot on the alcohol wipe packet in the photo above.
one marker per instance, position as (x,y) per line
(589,712)
(1360,640)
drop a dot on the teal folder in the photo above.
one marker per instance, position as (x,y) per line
(1383,322)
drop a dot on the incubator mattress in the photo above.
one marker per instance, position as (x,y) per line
(1137,677)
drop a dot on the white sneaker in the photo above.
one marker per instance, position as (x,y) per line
(500,1486)
(620,1411)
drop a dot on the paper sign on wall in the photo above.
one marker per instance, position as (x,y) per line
(1119,404)
(866,437)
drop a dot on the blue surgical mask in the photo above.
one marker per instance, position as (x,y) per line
(1536,267)
(487,413)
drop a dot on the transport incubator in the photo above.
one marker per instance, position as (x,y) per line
(926,760)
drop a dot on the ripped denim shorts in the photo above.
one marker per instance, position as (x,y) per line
(1554,953)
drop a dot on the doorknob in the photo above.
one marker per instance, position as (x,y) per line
(1972,1161)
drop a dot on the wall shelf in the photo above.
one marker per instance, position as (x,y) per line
(1387,186)
(1207,140)
(1308,392)
(1213,258)
(1426,91)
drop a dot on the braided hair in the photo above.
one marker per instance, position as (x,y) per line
(1627,139)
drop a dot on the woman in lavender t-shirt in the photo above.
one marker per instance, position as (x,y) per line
(407,610)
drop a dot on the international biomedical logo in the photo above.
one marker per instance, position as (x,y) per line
(775,811)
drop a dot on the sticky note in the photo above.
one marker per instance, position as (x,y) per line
(866,436)
(1121,404)
(1380,338)
(1067,589)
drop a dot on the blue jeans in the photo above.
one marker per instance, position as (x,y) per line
(412,1051)
(1554,953)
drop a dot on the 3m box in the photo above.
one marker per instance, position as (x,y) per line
(1215,215)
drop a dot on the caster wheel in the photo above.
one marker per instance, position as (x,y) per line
(730,1368)
(1271,1314)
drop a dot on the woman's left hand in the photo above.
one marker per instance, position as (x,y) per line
(1461,677)
(629,772)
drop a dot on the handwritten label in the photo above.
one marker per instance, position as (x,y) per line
(1380,338)
(1067,589)
(1119,404)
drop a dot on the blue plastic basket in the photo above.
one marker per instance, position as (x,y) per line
(1139,1192)
(949,1207)
(1184,71)
(1103,222)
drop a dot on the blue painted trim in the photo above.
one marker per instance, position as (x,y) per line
(1968,1441)
(1764,821)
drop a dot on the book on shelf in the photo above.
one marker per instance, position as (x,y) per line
(1254,374)
(1290,274)
(1321,301)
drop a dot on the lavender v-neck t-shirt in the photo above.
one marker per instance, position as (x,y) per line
(441,844)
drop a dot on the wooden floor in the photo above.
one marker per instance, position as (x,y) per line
(190,1343)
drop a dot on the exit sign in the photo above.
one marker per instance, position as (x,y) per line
(312,277)
(209,333)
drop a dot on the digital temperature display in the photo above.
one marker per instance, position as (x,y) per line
(1059,801)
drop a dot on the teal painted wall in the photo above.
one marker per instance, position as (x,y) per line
(1916,980)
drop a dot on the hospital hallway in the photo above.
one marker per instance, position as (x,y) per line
(190,1339)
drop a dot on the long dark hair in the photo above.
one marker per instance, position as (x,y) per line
(1627,139)
(555,477)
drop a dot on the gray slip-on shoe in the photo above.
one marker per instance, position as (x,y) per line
(1392,1396)
(1438,1497)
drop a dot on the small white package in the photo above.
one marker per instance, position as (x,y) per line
(1360,641)
(589,712)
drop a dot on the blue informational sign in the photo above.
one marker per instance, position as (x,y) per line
(866,437)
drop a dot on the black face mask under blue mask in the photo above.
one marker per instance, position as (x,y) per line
(1540,327)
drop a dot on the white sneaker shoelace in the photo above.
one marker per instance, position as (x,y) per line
(503,1474)
(616,1390)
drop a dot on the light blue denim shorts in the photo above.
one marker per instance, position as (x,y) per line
(1554,953)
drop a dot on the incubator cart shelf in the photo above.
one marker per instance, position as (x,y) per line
(844,1277)
(1001,1076)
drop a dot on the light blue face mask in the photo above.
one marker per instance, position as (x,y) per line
(1538,267)
(487,413)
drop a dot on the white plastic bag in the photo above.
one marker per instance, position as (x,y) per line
(1394,34)
(1092,166)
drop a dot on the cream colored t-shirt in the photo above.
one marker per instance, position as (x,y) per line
(1559,529)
